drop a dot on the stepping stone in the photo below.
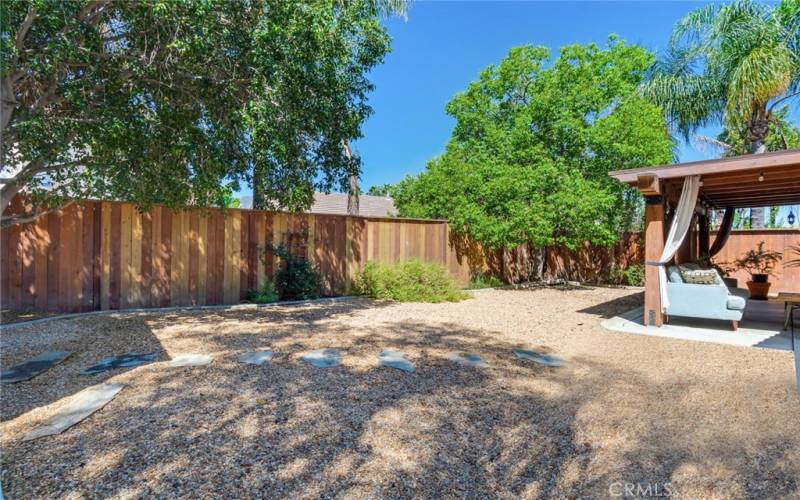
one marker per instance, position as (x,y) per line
(256,357)
(123,361)
(395,359)
(324,358)
(85,403)
(468,359)
(33,367)
(182,360)
(538,357)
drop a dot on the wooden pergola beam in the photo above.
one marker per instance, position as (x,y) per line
(727,166)
(648,185)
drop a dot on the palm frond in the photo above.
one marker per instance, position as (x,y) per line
(692,27)
(704,142)
(690,102)
(763,74)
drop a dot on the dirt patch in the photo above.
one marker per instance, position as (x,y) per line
(709,421)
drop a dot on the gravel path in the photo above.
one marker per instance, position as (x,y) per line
(712,421)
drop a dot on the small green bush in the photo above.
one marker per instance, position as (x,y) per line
(411,281)
(266,295)
(634,275)
(481,280)
(297,279)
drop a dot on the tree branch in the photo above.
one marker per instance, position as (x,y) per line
(12,220)
(26,26)
(782,99)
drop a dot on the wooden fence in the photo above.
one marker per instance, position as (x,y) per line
(786,278)
(107,255)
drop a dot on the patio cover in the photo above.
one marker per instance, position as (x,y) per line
(738,182)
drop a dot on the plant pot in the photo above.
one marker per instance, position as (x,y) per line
(760,278)
(758,291)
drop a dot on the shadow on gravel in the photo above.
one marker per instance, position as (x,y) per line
(102,336)
(112,336)
(616,306)
(287,429)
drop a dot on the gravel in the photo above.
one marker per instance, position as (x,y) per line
(712,421)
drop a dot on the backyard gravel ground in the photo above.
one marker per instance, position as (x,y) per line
(663,415)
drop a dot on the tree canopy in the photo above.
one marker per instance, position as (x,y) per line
(533,142)
(381,190)
(732,63)
(174,102)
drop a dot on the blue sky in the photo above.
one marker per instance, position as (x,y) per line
(443,45)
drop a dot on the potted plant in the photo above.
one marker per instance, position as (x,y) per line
(794,262)
(759,263)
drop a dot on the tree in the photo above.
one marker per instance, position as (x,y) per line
(730,63)
(782,135)
(533,142)
(384,190)
(170,102)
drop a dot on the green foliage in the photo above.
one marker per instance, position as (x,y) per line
(297,278)
(164,101)
(266,295)
(730,62)
(411,281)
(482,280)
(381,190)
(225,199)
(533,142)
(634,275)
(782,135)
(758,260)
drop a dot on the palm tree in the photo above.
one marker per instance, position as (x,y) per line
(731,64)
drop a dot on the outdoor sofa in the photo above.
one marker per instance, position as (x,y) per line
(713,300)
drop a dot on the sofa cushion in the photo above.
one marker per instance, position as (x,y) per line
(691,274)
(736,303)
(674,274)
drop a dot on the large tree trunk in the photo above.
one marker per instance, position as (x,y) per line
(757,131)
(8,104)
(352,188)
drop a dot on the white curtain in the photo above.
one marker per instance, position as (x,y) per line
(677,231)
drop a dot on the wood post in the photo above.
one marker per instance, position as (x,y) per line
(687,251)
(653,247)
(703,238)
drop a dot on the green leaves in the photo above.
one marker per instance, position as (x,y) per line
(171,102)
(731,63)
(532,146)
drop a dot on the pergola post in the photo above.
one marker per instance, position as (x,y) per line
(653,247)
(703,237)
(688,249)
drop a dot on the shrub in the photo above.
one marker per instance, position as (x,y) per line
(481,280)
(266,295)
(633,275)
(411,281)
(297,279)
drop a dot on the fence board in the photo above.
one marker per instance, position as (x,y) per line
(107,255)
